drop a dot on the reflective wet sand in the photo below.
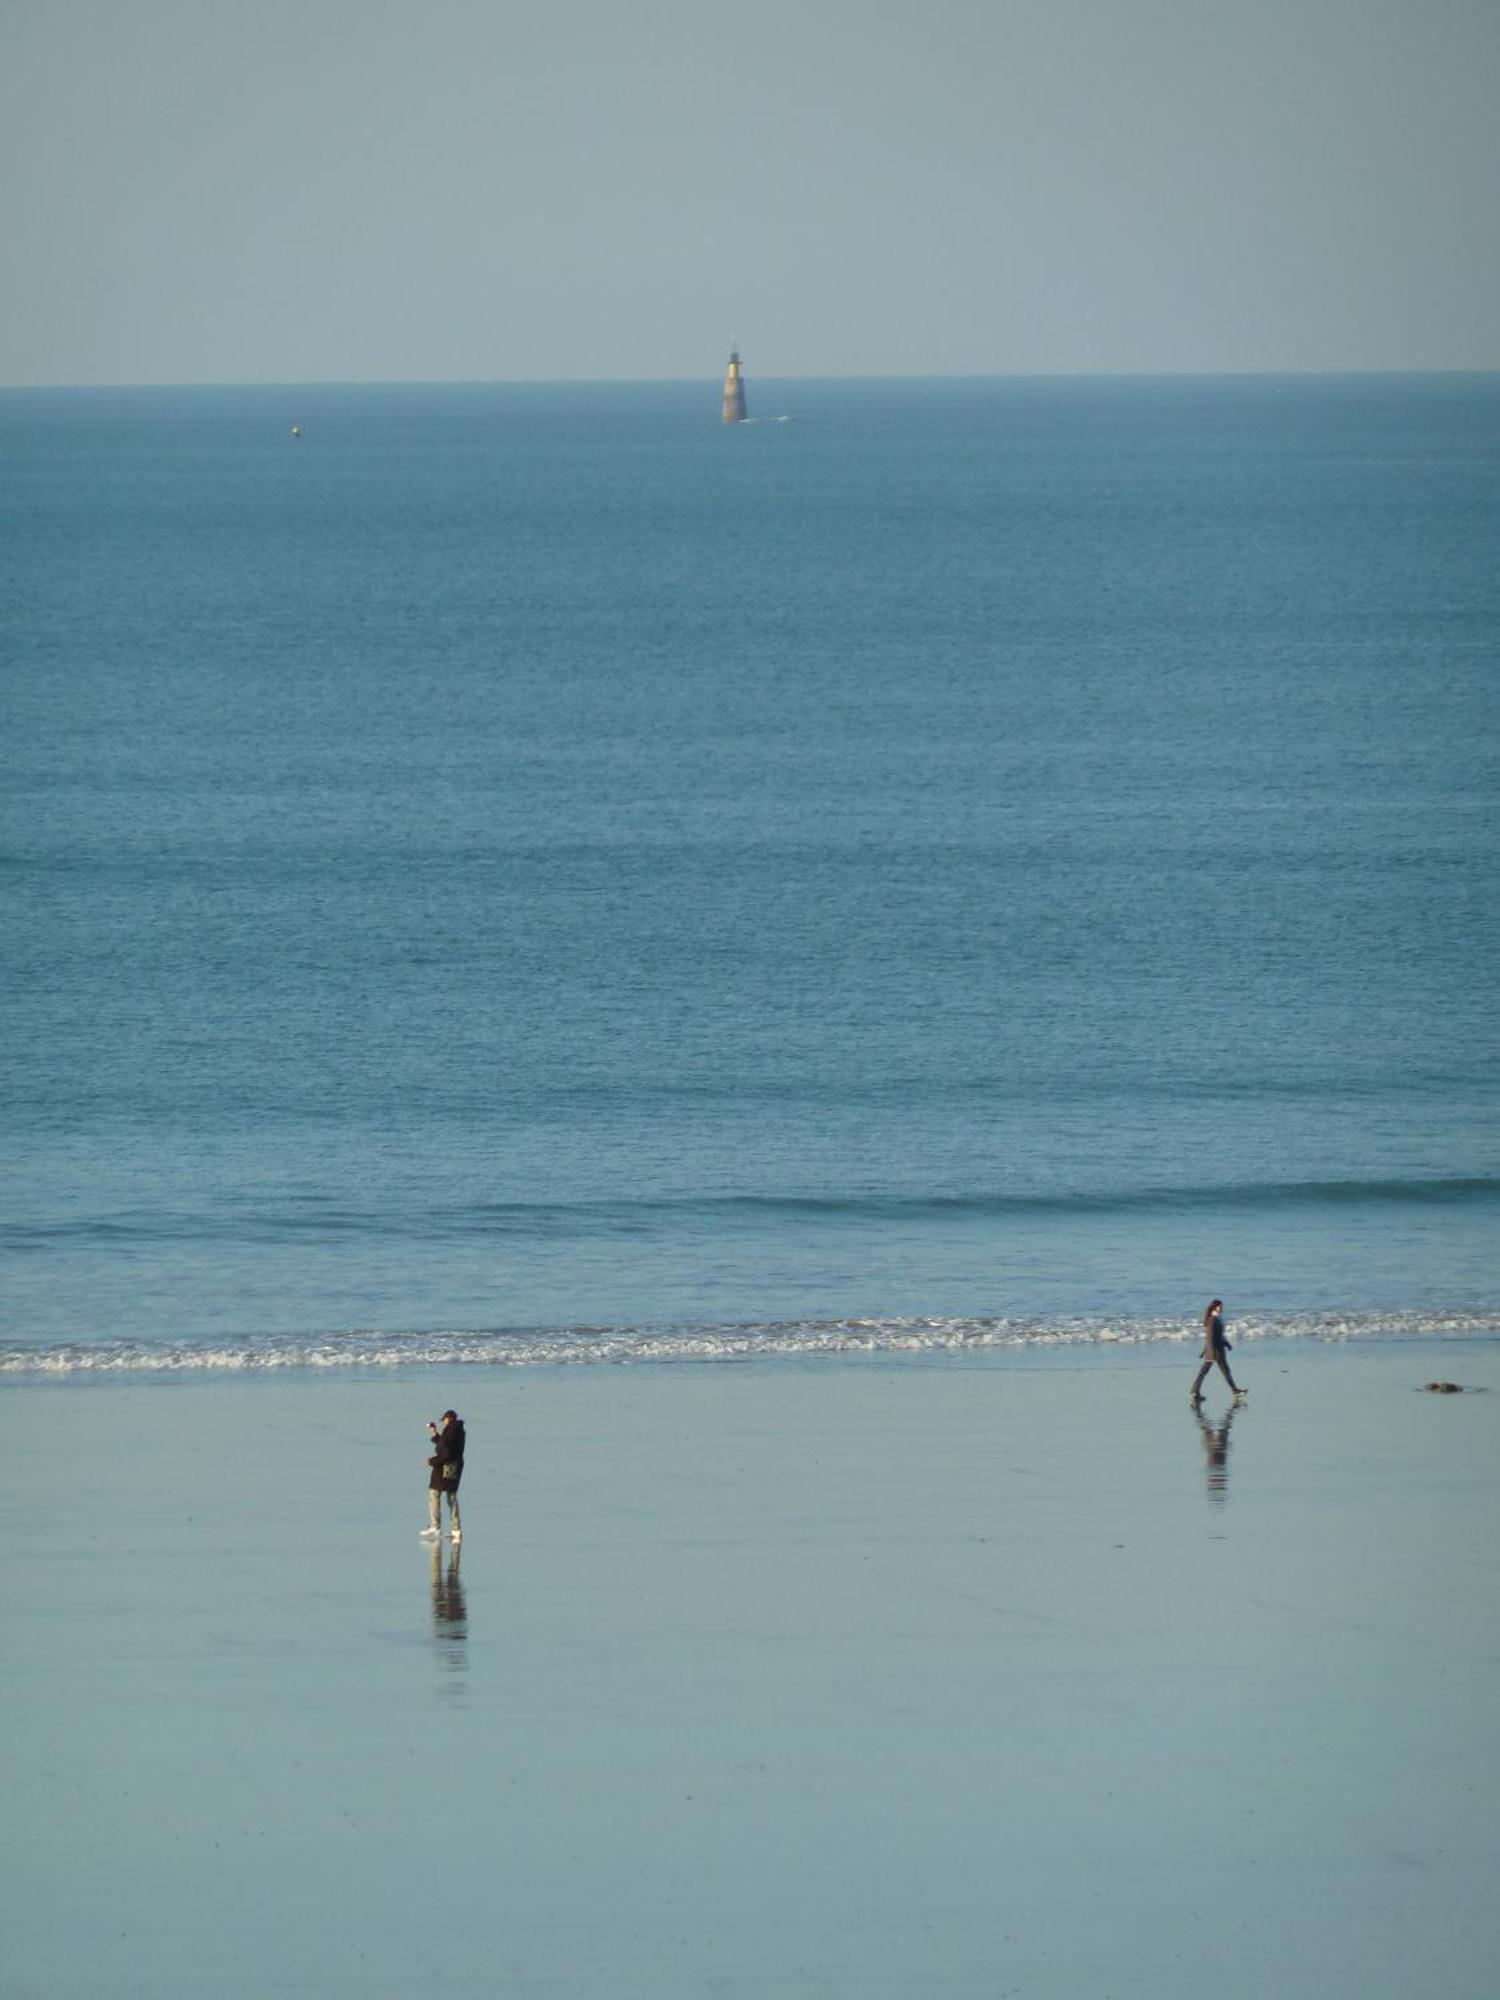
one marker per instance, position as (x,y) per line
(852,1679)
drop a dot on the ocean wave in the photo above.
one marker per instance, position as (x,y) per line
(640,1215)
(703,1342)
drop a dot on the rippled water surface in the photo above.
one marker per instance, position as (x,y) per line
(977,856)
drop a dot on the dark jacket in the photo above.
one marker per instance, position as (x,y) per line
(447,1459)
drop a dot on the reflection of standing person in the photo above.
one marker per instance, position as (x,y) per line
(1215,1350)
(450,1616)
(447,1468)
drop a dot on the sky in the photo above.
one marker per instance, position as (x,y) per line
(478,190)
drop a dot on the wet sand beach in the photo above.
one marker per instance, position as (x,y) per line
(963,1676)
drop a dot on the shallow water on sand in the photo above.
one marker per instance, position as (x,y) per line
(1001,1674)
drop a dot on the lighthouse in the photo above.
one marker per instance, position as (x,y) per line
(734,390)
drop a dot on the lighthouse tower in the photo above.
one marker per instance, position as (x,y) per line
(734,390)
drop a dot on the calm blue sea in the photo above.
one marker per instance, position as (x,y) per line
(533,872)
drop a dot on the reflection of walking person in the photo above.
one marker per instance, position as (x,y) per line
(1216,1448)
(1215,1350)
(447,1468)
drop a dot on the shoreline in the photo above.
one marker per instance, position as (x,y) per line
(666,1343)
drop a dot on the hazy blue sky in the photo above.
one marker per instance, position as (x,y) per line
(308,190)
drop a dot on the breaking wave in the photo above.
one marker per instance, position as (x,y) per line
(703,1342)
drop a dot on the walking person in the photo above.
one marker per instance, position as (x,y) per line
(1215,1352)
(447,1469)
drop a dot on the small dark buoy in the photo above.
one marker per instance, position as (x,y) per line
(1444,1388)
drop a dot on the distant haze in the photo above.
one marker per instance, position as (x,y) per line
(345,190)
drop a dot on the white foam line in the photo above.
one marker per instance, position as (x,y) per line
(621,1346)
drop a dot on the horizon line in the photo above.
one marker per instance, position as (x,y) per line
(666,381)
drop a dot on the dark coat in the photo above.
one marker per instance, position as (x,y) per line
(447,1459)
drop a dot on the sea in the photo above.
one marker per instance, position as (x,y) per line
(503,875)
